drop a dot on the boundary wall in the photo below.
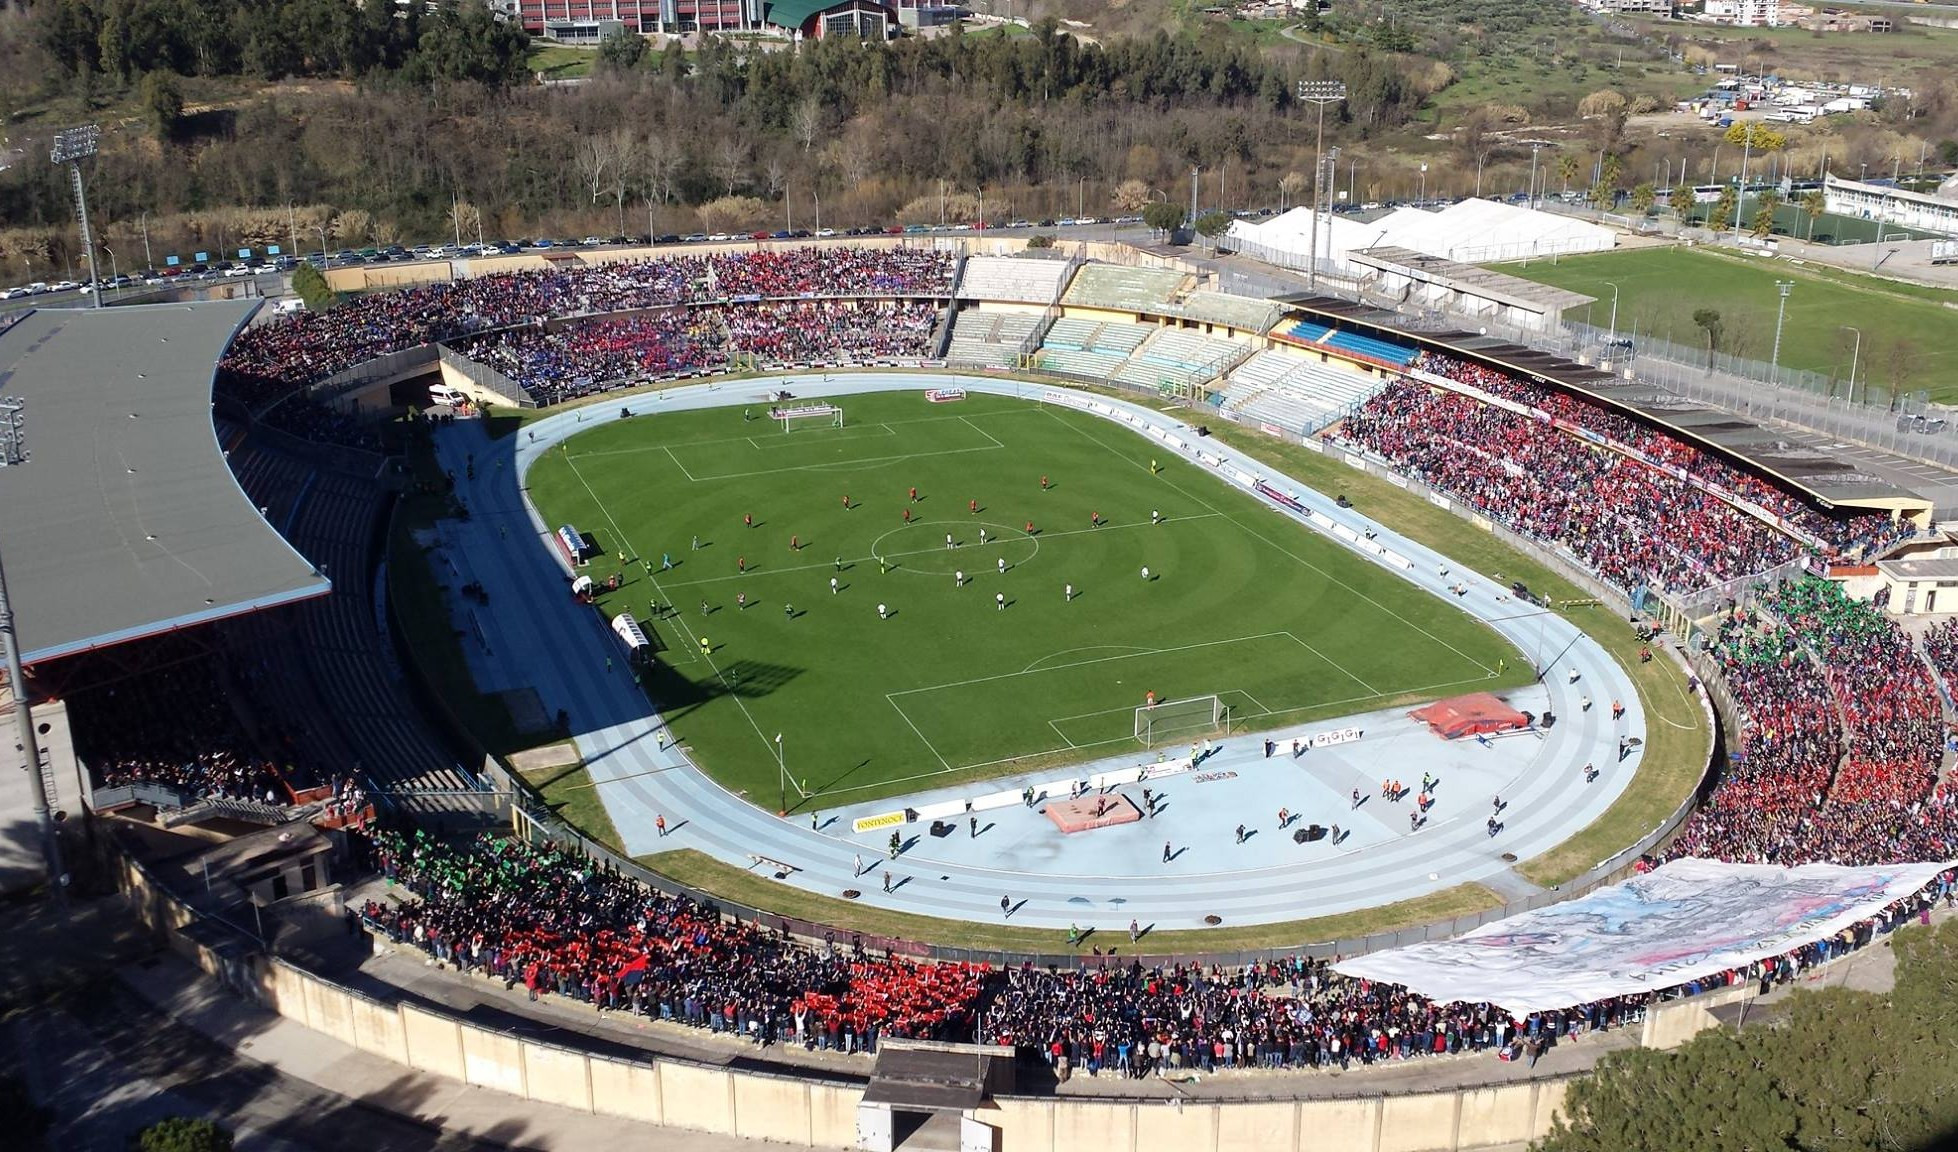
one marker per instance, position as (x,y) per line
(812,1110)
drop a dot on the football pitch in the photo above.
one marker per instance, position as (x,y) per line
(1004,669)
(1907,332)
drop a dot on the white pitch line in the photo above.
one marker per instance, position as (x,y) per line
(929,746)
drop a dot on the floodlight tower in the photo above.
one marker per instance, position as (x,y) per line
(1322,93)
(71,147)
(13,453)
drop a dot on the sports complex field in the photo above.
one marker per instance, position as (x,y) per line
(1907,331)
(1283,626)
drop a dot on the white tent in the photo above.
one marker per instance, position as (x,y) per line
(1471,232)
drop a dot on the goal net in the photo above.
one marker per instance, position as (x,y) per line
(819,415)
(1167,721)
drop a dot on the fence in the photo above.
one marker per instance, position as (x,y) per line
(486,377)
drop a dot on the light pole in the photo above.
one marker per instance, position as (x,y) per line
(781,777)
(1424,185)
(1529,198)
(1781,313)
(1854,355)
(148,261)
(115,273)
(1740,196)
(71,147)
(1612,339)
(13,453)
(1321,93)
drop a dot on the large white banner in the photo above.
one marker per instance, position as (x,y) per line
(1688,919)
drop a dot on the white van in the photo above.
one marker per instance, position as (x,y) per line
(446,395)
(288,306)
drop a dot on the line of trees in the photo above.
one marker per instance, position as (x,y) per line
(117,41)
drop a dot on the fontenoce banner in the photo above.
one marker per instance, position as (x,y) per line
(1688,919)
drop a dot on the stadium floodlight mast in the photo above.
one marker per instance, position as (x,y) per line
(1781,313)
(13,453)
(1321,93)
(71,147)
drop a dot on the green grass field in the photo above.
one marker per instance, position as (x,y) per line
(1910,341)
(1285,626)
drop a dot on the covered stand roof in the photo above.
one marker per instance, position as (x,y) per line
(126,521)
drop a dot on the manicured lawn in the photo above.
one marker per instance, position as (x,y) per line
(1281,624)
(1907,338)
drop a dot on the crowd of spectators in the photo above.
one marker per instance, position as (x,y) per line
(1628,521)
(173,725)
(1846,534)
(549,921)
(554,924)
(587,356)
(1843,735)
(269,359)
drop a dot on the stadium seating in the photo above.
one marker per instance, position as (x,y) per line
(1309,331)
(1120,288)
(1371,348)
(1089,348)
(1011,279)
(989,339)
(1294,392)
(1181,356)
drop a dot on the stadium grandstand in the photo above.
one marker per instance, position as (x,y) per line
(982,339)
(124,559)
(1017,280)
(1294,393)
(1119,288)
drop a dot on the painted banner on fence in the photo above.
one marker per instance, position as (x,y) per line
(1688,919)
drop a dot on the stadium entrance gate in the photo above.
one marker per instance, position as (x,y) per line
(924,1095)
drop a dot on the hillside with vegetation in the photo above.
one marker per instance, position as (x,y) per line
(326,123)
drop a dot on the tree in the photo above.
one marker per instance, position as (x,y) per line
(1567,169)
(1764,215)
(163,103)
(1163,216)
(1724,209)
(1707,320)
(183,1134)
(1682,200)
(808,122)
(624,146)
(622,51)
(1290,187)
(1900,363)
(591,156)
(1815,203)
(732,214)
(1130,195)
(310,284)
(1643,197)
(354,226)
(1213,224)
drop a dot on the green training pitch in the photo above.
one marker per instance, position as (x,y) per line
(1284,626)
(1908,335)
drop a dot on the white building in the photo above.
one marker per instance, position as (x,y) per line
(1747,13)
(1936,212)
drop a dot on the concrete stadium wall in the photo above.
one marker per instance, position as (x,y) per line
(1426,1122)
(823,1113)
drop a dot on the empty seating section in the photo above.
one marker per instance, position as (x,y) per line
(1129,289)
(989,339)
(1384,351)
(1296,394)
(1078,347)
(337,646)
(1309,332)
(1180,357)
(1007,278)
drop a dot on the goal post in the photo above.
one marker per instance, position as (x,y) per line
(820,415)
(1166,721)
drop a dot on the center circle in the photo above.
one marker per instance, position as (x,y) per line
(919,547)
